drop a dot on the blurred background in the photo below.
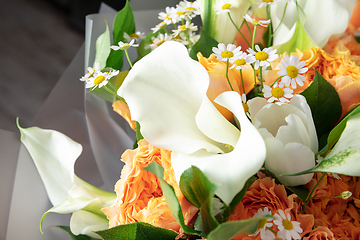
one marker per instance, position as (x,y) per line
(38,40)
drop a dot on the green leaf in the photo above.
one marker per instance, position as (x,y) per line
(357,39)
(75,237)
(124,22)
(199,191)
(299,40)
(137,231)
(171,199)
(224,215)
(203,45)
(229,230)
(325,106)
(103,47)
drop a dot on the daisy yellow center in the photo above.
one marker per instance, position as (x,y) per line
(267,1)
(134,35)
(227,54)
(161,42)
(278,238)
(262,56)
(287,225)
(262,222)
(98,80)
(183,27)
(277,92)
(292,71)
(240,62)
(226,6)
(246,107)
(255,22)
(168,16)
(180,13)
(190,9)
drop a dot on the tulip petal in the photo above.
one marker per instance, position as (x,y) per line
(344,158)
(54,155)
(231,170)
(164,91)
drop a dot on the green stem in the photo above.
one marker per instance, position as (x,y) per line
(227,74)
(261,80)
(127,57)
(312,191)
(327,197)
(272,230)
(275,81)
(238,29)
(242,81)
(270,25)
(253,38)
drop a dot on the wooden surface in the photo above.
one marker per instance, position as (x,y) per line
(37,43)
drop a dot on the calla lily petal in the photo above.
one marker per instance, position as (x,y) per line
(66,191)
(83,222)
(231,170)
(344,158)
(164,98)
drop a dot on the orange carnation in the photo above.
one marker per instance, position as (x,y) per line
(320,233)
(139,195)
(123,110)
(339,215)
(219,83)
(264,192)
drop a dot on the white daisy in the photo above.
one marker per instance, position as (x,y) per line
(222,7)
(243,61)
(124,46)
(169,16)
(263,57)
(255,22)
(264,3)
(287,229)
(91,72)
(188,9)
(137,36)
(100,79)
(160,39)
(225,53)
(158,27)
(277,94)
(290,68)
(264,224)
(189,27)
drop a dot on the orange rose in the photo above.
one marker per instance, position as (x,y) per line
(320,233)
(219,83)
(264,192)
(139,195)
(339,215)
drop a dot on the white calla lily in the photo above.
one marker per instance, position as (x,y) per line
(290,137)
(309,24)
(219,26)
(54,155)
(170,103)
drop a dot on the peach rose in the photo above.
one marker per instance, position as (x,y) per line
(320,233)
(339,215)
(139,195)
(264,192)
(219,83)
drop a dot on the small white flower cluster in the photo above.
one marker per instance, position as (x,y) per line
(184,33)
(96,78)
(287,229)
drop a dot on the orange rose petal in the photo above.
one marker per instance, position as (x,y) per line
(320,233)
(123,110)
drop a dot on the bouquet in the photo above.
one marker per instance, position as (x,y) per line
(247,127)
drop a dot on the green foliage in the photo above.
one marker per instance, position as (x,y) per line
(325,106)
(229,230)
(103,47)
(75,237)
(171,199)
(124,22)
(203,45)
(137,231)
(199,191)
